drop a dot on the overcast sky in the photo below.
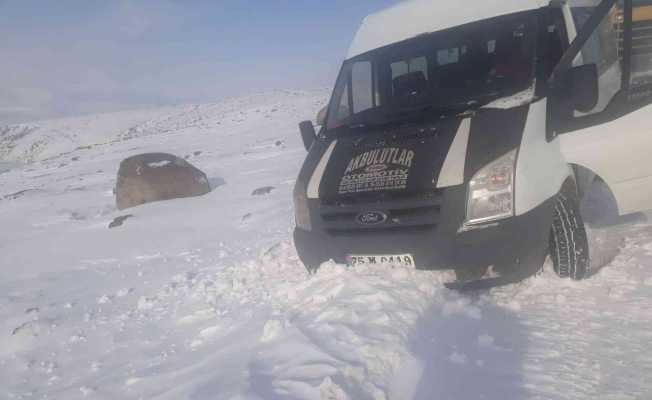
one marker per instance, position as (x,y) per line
(69,57)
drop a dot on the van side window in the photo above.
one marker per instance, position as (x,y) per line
(449,56)
(641,61)
(602,49)
(359,93)
(409,78)
(343,111)
(581,14)
(554,36)
(362,84)
(404,67)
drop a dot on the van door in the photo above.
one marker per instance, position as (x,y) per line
(614,139)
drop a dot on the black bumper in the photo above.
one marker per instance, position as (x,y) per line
(444,246)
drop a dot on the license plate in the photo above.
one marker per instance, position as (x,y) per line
(401,260)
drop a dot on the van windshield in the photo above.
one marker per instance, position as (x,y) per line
(442,73)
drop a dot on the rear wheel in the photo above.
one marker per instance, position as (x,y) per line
(569,247)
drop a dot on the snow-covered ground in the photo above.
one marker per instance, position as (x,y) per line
(204,298)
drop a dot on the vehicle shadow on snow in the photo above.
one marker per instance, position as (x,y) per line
(470,352)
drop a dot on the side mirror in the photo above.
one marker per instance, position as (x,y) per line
(582,86)
(321,116)
(308,133)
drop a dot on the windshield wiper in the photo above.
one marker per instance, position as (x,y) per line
(469,107)
(443,110)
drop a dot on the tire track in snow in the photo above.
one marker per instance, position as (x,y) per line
(346,336)
(343,333)
(263,329)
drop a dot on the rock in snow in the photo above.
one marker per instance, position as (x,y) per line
(118,221)
(157,176)
(261,191)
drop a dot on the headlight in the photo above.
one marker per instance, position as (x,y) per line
(301,211)
(491,191)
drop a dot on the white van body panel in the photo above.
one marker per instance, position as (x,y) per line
(540,168)
(415,17)
(619,152)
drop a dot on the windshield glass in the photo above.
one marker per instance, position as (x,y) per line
(446,72)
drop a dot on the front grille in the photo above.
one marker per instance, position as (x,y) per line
(404,212)
(381,231)
(370,198)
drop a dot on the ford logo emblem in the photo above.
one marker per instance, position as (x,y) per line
(371,218)
(375,168)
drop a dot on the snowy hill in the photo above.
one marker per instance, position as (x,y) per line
(204,298)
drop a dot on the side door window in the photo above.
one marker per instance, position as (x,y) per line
(602,50)
(615,36)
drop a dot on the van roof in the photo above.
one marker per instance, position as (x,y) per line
(414,17)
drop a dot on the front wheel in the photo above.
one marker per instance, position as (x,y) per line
(569,246)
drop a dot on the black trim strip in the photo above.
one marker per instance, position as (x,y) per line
(493,133)
(350,89)
(627,45)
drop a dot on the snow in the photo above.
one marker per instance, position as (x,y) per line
(516,100)
(159,164)
(191,300)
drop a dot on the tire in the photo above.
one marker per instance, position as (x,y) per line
(569,246)
(598,205)
(603,223)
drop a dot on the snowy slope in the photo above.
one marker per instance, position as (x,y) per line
(204,298)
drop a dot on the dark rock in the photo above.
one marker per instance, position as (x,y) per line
(263,191)
(197,153)
(279,143)
(146,178)
(246,216)
(75,159)
(119,221)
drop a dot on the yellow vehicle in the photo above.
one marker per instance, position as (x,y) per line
(641,41)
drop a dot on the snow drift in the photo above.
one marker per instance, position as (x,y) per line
(204,298)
